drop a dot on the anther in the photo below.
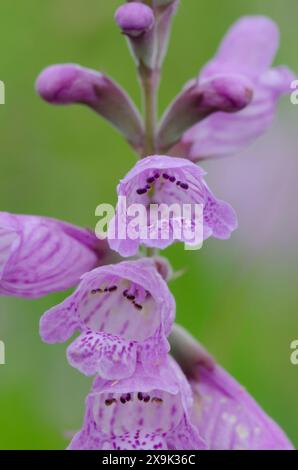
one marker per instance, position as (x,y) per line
(110,401)
(113,288)
(165,176)
(141,191)
(138,306)
(96,291)
(150,180)
(157,400)
(184,186)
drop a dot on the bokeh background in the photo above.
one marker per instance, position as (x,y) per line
(238,297)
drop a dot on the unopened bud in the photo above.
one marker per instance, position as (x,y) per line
(226,93)
(72,84)
(136,21)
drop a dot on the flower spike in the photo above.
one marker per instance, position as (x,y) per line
(136,21)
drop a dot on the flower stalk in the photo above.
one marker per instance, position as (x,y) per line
(150,83)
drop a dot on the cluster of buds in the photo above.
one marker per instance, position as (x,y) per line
(154,386)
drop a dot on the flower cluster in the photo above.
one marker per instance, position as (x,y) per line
(154,386)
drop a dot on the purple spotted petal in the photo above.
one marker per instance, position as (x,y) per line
(248,50)
(165,180)
(142,412)
(92,353)
(39,255)
(130,303)
(228,418)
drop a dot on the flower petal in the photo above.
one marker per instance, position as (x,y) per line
(142,412)
(229,419)
(222,133)
(248,48)
(103,354)
(39,255)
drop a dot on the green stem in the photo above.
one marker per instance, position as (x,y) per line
(150,83)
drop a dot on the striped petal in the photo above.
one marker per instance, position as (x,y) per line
(228,418)
(40,255)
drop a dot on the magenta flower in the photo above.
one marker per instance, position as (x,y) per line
(124,313)
(228,418)
(166,180)
(39,255)
(141,412)
(247,50)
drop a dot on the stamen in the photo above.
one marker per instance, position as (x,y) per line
(130,297)
(146,398)
(112,288)
(96,291)
(138,306)
(110,401)
(172,179)
(151,179)
(140,396)
(156,175)
(128,397)
(123,400)
(184,186)
(157,400)
(165,176)
(141,191)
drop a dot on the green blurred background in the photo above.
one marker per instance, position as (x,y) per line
(239,297)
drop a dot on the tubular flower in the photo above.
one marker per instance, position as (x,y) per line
(228,418)
(255,38)
(157,181)
(141,412)
(124,313)
(39,255)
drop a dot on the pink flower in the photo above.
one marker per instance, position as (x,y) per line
(142,412)
(248,50)
(166,180)
(39,255)
(124,313)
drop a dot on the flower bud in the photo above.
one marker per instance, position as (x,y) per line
(72,84)
(226,93)
(136,21)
